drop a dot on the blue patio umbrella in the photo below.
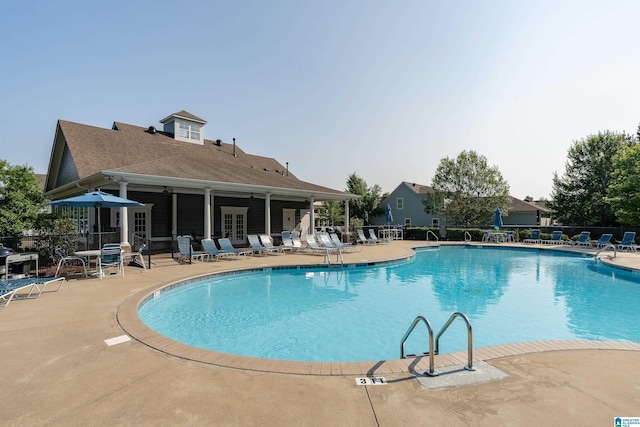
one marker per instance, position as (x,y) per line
(389,217)
(497,219)
(96,199)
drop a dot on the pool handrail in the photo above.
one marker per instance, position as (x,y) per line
(434,235)
(431,372)
(453,317)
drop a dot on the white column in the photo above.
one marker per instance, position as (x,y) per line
(207,213)
(346,222)
(312,217)
(267,214)
(124,217)
(174,215)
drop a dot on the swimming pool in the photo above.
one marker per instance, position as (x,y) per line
(360,314)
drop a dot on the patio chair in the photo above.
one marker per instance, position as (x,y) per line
(325,240)
(110,258)
(186,252)
(346,247)
(227,246)
(27,288)
(375,239)
(535,237)
(628,242)
(509,236)
(267,243)
(295,239)
(136,257)
(313,245)
(256,246)
(363,239)
(603,241)
(287,241)
(556,238)
(583,239)
(210,248)
(69,260)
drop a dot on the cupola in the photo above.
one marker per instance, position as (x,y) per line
(185,127)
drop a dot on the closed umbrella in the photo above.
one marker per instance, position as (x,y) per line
(497,219)
(96,199)
(389,217)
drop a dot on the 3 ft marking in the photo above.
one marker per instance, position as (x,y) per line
(371,381)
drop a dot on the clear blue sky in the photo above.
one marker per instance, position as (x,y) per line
(385,89)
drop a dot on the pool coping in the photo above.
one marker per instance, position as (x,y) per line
(129,320)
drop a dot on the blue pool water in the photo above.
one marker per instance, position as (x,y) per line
(361,313)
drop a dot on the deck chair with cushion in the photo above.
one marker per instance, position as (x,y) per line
(65,260)
(583,239)
(227,247)
(628,242)
(186,251)
(27,288)
(535,237)
(603,241)
(110,259)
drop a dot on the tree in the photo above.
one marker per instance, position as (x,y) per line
(623,195)
(579,196)
(367,204)
(21,198)
(467,190)
(331,212)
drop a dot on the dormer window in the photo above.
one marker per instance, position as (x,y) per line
(190,131)
(185,127)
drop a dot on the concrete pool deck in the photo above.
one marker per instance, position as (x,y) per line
(58,370)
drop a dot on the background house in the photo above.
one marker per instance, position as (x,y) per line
(408,210)
(189,185)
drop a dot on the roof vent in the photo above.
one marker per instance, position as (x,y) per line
(151,130)
(218,142)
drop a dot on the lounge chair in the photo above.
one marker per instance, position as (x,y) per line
(583,239)
(256,246)
(628,242)
(556,238)
(267,243)
(325,240)
(227,246)
(363,239)
(603,241)
(295,239)
(509,236)
(210,248)
(375,239)
(136,257)
(186,252)
(27,288)
(287,242)
(110,258)
(326,251)
(344,246)
(69,260)
(535,237)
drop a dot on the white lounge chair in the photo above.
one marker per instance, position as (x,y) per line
(27,288)
(267,243)
(346,247)
(363,239)
(256,246)
(315,247)
(210,248)
(375,239)
(287,241)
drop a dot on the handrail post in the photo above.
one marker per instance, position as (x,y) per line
(431,372)
(453,317)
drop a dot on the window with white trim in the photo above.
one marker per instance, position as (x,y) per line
(190,131)
(399,203)
(407,222)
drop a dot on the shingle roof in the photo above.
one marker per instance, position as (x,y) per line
(132,149)
(184,115)
(418,188)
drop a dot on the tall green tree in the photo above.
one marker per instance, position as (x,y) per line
(331,212)
(624,191)
(580,195)
(367,205)
(21,198)
(467,190)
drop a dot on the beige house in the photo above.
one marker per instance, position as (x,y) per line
(189,185)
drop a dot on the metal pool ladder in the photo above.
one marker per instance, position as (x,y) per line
(435,350)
